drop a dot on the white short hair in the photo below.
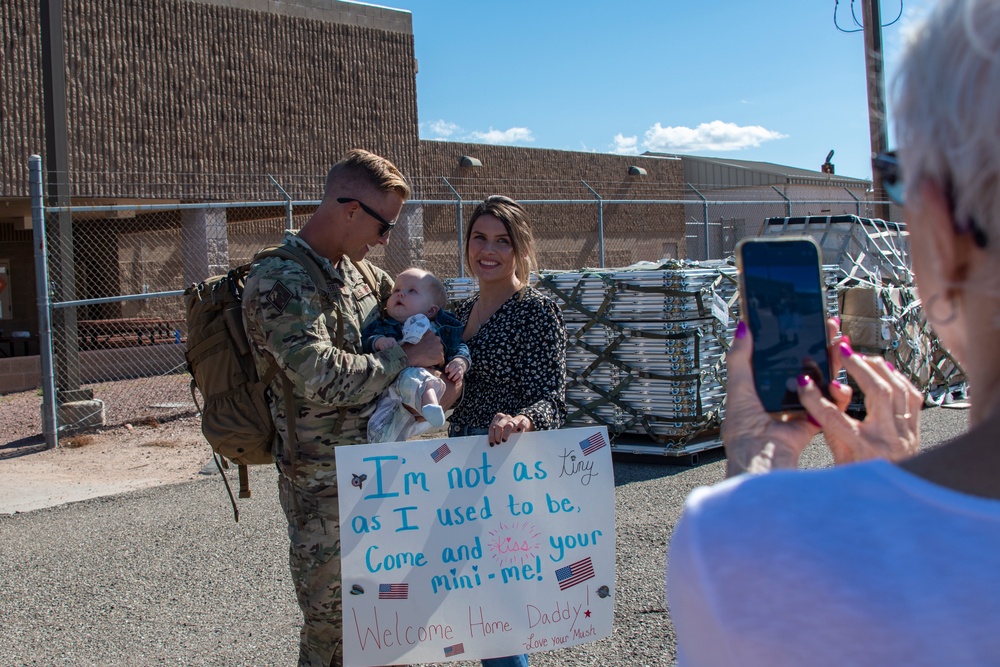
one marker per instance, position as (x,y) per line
(947,106)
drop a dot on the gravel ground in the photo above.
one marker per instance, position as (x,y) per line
(164,577)
(20,421)
(161,398)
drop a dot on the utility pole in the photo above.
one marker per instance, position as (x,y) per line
(62,269)
(872,24)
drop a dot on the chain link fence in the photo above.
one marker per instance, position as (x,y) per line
(116,270)
(714,227)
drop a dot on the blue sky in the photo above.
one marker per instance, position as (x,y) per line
(772,80)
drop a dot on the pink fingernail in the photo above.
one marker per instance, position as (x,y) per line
(812,420)
(741,329)
(846,339)
(836,385)
(890,366)
(845,349)
(804,380)
(837,320)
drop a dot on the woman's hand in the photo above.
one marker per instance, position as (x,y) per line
(891,428)
(503,426)
(755,440)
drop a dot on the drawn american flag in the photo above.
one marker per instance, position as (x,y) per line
(393,591)
(453,650)
(592,444)
(574,573)
(441,452)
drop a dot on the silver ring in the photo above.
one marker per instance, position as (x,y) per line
(906,415)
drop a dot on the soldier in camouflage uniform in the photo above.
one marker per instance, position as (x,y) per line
(314,333)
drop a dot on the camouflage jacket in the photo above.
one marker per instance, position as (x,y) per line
(335,386)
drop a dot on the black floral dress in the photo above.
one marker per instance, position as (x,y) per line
(518,363)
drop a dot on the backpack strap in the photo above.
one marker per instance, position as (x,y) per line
(365,268)
(301,257)
(339,425)
(296,254)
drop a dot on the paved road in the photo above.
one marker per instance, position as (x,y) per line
(164,576)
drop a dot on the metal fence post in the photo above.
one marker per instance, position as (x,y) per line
(50,416)
(704,206)
(289,222)
(788,202)
(600,224)
(461,264)
(857,201)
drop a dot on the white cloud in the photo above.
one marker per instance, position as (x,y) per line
(442,129)
(625,145)
(713,136)
(510,136)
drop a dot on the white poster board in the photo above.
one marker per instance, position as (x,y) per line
(455,550)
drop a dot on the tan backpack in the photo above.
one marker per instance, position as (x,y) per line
(236,417)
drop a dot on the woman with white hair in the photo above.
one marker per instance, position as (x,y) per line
(893,559)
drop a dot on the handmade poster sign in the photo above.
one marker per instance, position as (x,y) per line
(455,550)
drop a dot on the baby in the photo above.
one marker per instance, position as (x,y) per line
(415,306)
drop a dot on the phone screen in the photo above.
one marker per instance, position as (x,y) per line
(784,306)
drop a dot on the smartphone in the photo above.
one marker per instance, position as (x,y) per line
(783,302)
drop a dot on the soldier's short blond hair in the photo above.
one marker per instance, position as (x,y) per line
(361,169)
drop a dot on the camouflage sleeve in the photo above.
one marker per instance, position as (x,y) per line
(285,317)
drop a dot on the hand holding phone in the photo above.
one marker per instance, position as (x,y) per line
(783,303)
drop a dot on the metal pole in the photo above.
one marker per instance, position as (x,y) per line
(704,204)
(289,224)
(872,25)
(54,99)
(788,202)
(50,416)
(600,224)
(458,204)
(857,201)
(63,270)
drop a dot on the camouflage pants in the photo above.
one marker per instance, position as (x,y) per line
(314,557)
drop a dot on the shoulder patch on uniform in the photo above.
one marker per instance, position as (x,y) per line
(361,291)
(279,296)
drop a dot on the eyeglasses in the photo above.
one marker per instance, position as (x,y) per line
(887,167)
(386,226)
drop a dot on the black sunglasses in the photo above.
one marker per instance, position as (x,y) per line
(386,225)
(888,168)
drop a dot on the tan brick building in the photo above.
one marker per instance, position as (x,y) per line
(567,233)
(208,100)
